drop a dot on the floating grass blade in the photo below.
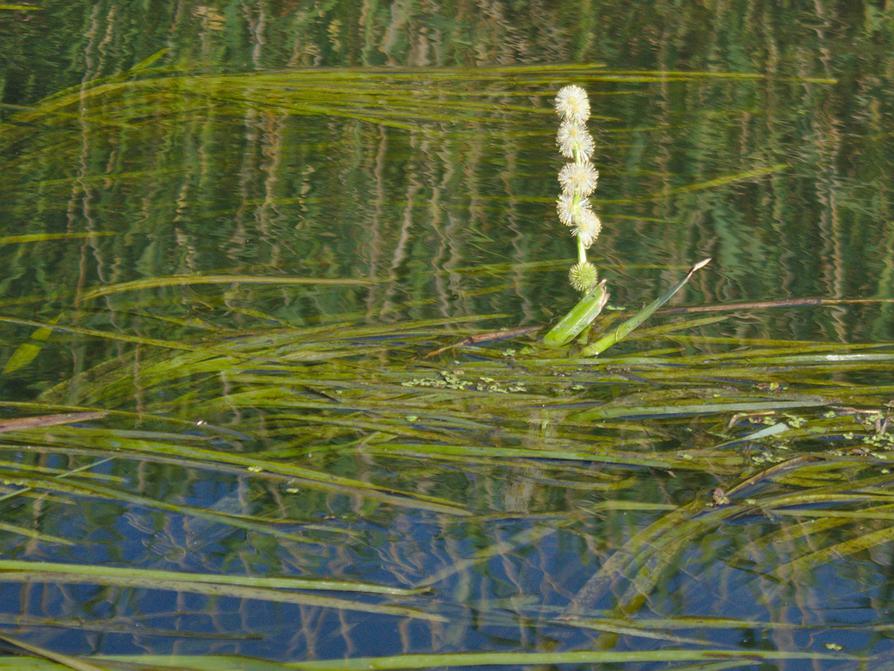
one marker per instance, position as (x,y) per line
(191,280)
(518,659)
(624,329)
(65,661)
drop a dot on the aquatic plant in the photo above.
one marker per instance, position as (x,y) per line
(579,178)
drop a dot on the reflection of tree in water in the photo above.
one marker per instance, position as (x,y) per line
(414,181)
(87,39)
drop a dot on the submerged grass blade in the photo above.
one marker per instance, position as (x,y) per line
(66,661)
(864,541)
(59,476)
(91,489)
(717,182)
(33,534)
(150,576)
(107,335)
(308,476)
(527,537)
(231,591)
(694,408)
(46,237)
(192,280)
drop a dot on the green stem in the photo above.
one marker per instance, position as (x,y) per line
(581,250)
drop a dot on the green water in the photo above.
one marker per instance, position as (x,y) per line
(372,165)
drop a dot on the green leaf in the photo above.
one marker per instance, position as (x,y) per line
(578,318)
(626,327)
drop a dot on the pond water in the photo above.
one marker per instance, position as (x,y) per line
(249,235)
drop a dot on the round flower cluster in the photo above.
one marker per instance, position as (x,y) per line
(572,104)
(573,139)
(578,178)
(583,276)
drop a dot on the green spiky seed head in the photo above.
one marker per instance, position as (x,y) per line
(583,276)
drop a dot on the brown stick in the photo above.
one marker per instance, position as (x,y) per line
(490,336)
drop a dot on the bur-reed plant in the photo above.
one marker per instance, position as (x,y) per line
(578,179)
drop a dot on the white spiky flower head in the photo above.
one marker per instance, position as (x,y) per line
(572,104)
(571,208)
(579,178)
(587,227)
(575,141)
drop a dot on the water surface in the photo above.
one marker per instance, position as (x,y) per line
(405,156)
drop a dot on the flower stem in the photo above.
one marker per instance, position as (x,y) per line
(581,251)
